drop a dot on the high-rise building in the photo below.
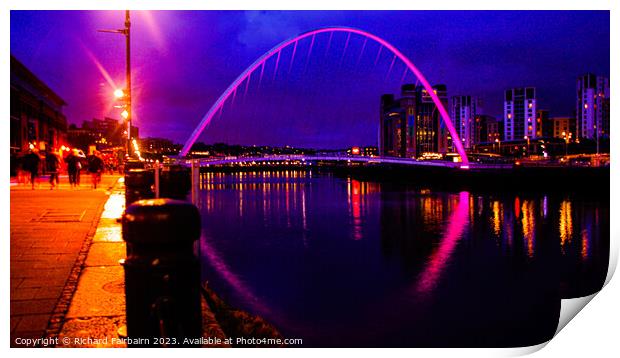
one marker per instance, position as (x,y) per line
(463,114)
(412,125)
(520,113)
(544,127)
(431,132)
(391,125)
(592,106)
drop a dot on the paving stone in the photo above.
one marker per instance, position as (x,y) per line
(91,299)
(87,332)
(50,292)
(33,323)
(27,307)
(106,254)
(28,293)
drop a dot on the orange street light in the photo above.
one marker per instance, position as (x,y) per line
(119,93)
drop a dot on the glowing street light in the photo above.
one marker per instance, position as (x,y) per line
(126,94)
(566,140)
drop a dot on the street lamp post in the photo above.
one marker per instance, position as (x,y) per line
(567,138)
(527,151)
(127,114)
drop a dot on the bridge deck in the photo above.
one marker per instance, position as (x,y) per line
(348,159)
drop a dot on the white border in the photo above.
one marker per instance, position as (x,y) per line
(594,330)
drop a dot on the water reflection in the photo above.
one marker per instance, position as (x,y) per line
(498,213)
(566,224)
(440,257)
(354,196)
(345,260)
(528,224)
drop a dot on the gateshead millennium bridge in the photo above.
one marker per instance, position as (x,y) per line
(277,50)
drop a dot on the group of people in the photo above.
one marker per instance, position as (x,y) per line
(32,164)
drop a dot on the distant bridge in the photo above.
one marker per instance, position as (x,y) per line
(284,159)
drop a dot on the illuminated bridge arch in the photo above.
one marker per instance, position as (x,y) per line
(261,61)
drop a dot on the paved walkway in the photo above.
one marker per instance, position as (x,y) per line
(96,314)
(51,232)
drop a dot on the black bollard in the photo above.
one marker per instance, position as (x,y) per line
(175,182)
(139,185)
(162,274)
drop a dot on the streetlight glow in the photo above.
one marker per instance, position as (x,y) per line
(118,93)
(125,114)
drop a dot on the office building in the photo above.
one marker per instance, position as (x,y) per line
(412,125)
(520,113)
(592,107)
(463,114)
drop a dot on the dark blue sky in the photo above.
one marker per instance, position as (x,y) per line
(183,60)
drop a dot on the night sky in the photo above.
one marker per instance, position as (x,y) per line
(183,60)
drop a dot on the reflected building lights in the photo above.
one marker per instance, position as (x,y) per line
(566,224)
(240,202)
(508,227)
(354,191)
(585,244)
(498,213)
(517,207)
(432,210)
(528,225)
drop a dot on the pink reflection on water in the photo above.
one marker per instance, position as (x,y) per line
(231,278)
(438,260)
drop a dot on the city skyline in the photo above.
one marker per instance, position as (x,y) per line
(154,49)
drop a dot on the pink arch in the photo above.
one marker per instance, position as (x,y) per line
(261,60)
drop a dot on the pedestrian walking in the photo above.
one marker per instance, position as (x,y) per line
(95,167)
(22,173)
(31,164)
(73,168)
(53,167)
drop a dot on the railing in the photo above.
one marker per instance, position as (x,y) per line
(317,158)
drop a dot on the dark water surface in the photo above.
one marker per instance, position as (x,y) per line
(349,263)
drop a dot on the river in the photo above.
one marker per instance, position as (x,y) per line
(341,262)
